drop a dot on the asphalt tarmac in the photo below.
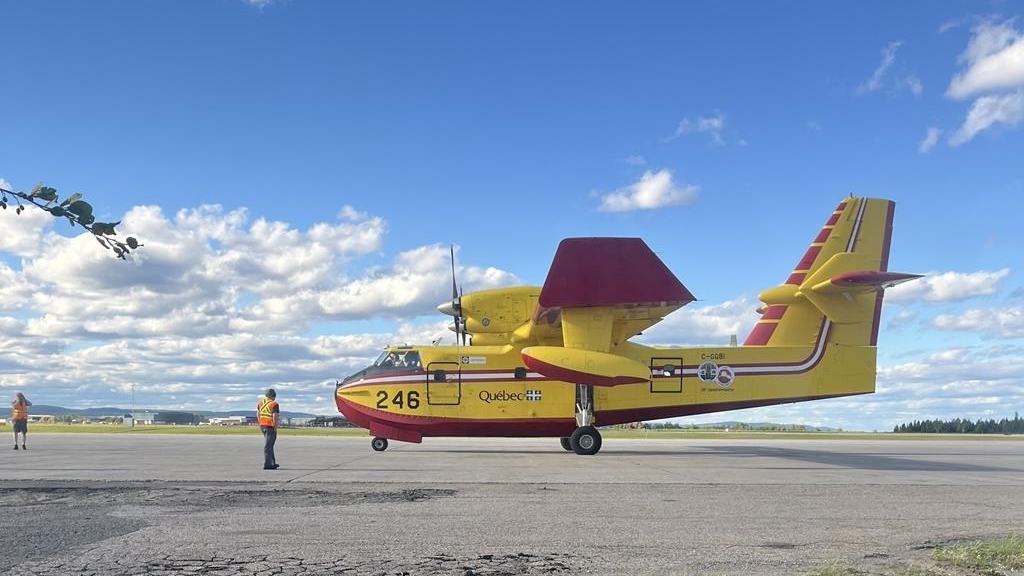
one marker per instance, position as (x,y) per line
(127,504)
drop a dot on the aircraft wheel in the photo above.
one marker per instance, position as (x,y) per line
(566,444)
(585,441)
(379,444)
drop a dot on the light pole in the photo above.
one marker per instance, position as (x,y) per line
(133,405)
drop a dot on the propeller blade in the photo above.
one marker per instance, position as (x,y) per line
(454,308)
(455,289)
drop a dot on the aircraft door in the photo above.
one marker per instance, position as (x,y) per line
(666,375)
(444,383)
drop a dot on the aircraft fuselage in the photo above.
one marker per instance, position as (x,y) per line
(487,391)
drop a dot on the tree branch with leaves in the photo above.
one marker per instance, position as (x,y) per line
(78,212)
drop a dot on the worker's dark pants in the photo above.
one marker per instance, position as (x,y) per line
(269,437)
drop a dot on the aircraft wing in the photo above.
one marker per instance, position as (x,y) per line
(599,292)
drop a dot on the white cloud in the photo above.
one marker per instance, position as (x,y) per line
(180,283)
(994,59)
(653,190)
(705,325)
(417,282)
(994,73)
(24,234)
(988,111)
(5,185)
(994,322)
(214,307)
(931,137)
(712,126)
(911,83)
(16,290)
(949,25)
(636,160)
(888,59)
(948,286)
(902,318)
(950,355)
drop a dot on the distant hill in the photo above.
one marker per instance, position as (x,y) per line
(107,412)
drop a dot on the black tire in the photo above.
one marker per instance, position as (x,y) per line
(585,441)
(379,444)
(566,444)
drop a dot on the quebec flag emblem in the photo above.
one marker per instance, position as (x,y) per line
(533,394)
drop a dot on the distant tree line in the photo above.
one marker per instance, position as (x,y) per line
(733,426)
(965,426)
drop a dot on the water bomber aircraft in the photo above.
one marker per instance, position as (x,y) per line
(558,361)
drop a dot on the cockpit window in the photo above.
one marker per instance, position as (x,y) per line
(409,359)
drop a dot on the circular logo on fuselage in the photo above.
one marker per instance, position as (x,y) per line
(711,373)
(707,372)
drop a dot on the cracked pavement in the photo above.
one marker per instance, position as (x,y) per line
(498,507)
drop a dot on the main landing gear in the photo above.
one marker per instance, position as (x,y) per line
(585,440)
(379,444)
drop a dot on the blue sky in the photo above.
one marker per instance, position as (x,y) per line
(298,169)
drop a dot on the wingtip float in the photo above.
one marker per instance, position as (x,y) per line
(558,360)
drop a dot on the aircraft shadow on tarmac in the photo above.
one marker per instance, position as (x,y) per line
(860,461)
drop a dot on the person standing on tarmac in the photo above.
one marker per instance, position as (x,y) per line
(19,414)
(269,414)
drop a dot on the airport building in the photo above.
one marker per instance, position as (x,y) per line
(166,417)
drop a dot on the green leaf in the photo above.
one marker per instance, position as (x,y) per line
(80,208)
(73,198)
(56,211)
(44,193)
(132,242)
(104,229)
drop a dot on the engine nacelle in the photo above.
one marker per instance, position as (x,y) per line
(500,310)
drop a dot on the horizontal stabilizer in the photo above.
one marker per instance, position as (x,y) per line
(866,279)
(849,298)
(844,288)
(584,366)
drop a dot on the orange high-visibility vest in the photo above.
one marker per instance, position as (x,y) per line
(19,412)
(265,411)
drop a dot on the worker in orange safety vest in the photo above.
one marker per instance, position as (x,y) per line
(269,415)
(19,415)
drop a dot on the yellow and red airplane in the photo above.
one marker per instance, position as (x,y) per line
(557,361)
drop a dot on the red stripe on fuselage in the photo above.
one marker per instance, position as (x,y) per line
(363,416)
